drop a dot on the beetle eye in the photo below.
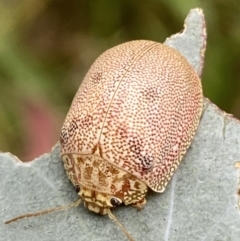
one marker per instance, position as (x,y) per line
(77,188)
(115,201)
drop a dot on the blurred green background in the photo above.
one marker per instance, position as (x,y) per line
(46,47)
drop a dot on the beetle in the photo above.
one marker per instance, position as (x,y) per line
(130,123)
(129,126)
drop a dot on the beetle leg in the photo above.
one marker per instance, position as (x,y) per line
(140,204)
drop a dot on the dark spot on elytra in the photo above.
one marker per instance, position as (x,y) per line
(146,163)
(72,127)
(96,77)
(135,146)
(63,136)
(151,94)
(67,132)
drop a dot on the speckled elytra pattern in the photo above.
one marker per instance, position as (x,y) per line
(136,112)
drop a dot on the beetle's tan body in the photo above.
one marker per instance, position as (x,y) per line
(130,123)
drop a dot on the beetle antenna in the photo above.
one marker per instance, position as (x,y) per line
(60,208)
(113,217)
